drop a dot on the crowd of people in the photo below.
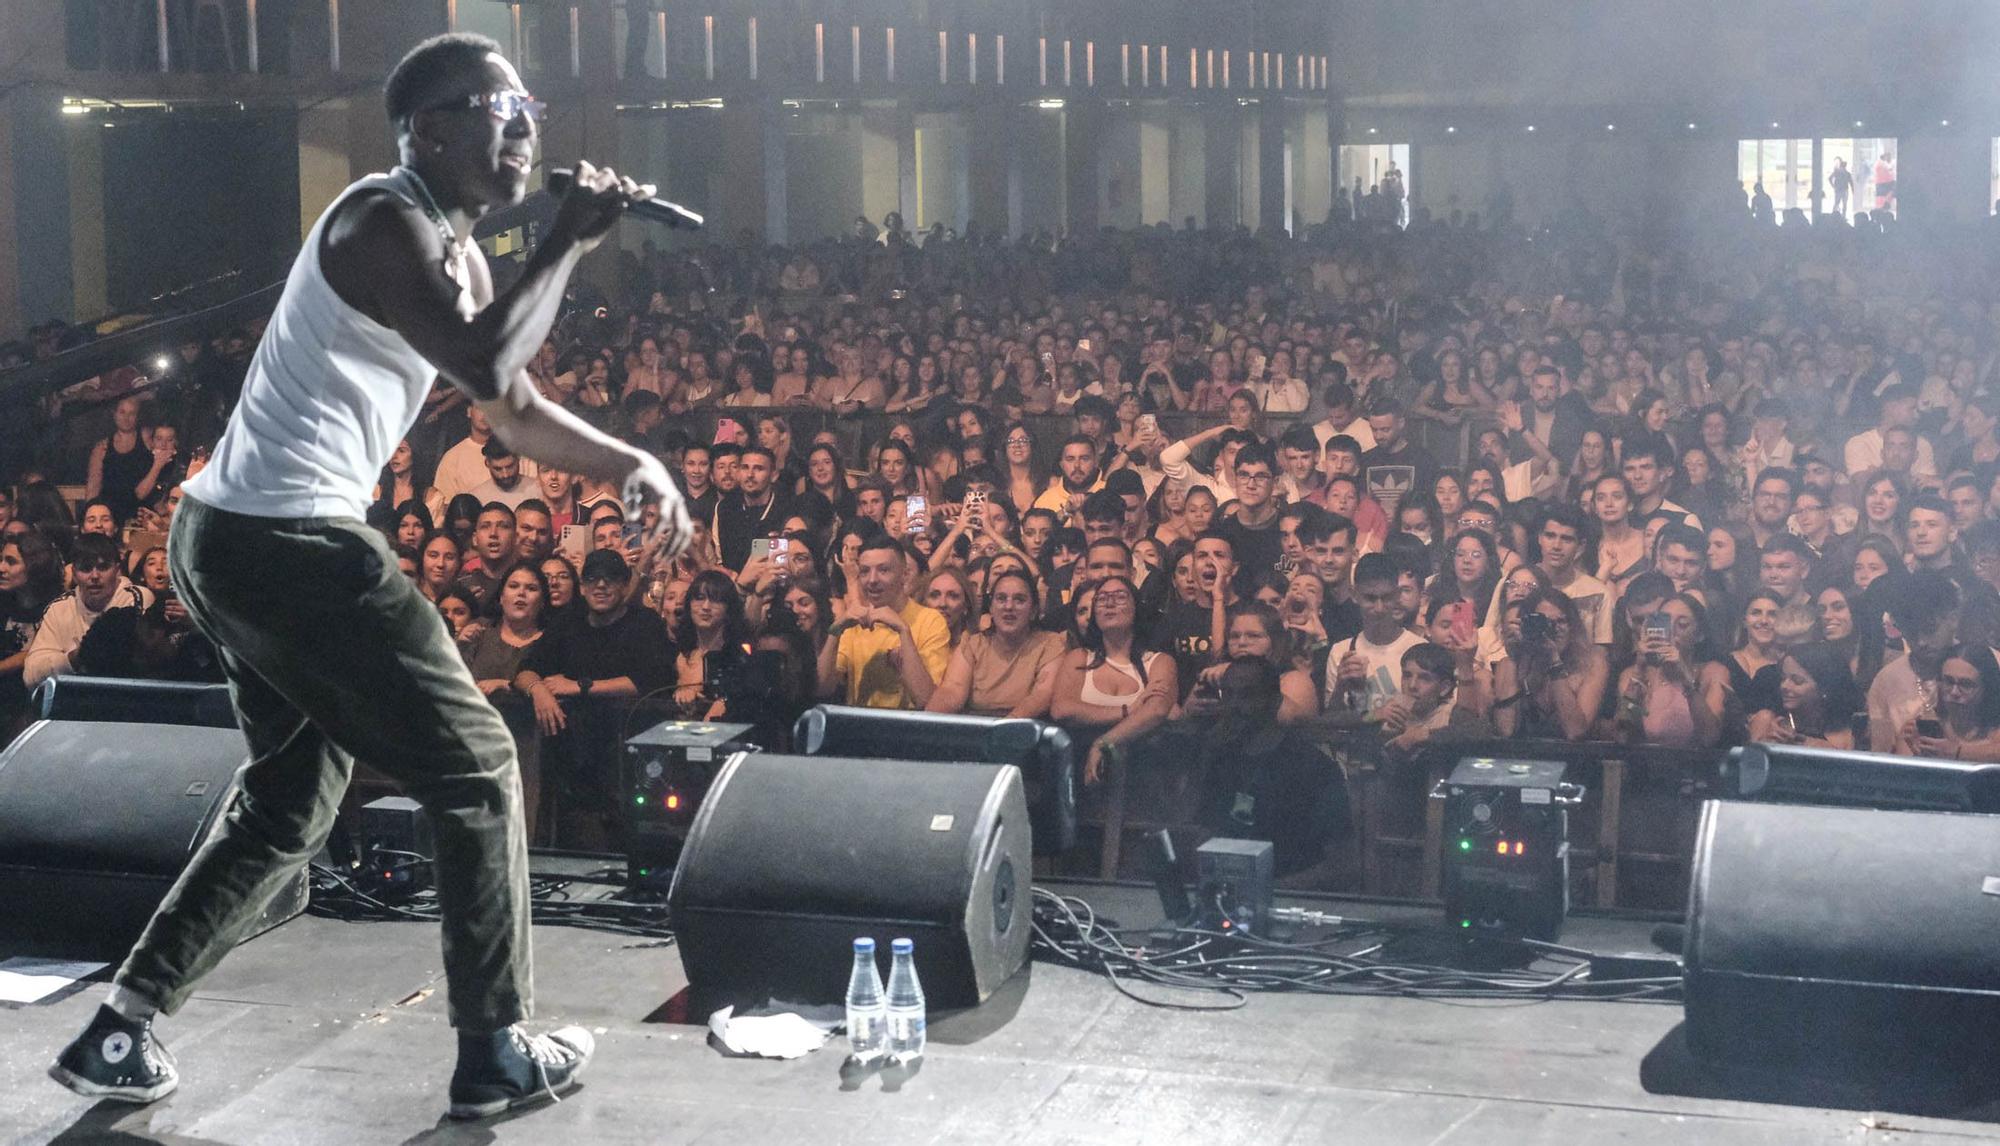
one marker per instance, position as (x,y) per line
(1372,484)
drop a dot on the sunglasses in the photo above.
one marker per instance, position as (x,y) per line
(502,105)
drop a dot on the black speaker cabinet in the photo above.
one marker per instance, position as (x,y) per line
(792,857)
(104,698)
(1041,751)
(1843,937)
(96,821)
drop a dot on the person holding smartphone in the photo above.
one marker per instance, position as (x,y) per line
(1552,678)
(1674,693)
(1816,697)
(1966,725)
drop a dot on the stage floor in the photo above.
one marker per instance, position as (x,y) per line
(331,1032)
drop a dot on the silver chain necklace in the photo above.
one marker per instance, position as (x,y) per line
(457,255)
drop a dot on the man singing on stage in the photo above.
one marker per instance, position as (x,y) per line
(331,653)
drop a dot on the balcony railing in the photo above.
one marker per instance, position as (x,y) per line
(669,50)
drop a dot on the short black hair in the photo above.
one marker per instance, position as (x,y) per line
(1375,567)
(416,76)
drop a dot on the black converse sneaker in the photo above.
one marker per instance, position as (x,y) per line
(117,1058)
(519,1070)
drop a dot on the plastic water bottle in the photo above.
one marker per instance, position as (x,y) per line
(906,1005)
(867,1019)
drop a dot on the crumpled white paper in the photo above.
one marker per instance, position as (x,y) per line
(782,1035)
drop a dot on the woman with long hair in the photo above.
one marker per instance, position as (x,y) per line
(1968,711)
(1010,668)
(948,591)
(1702,485)
(461,517)
(1551,680)
(1621,547)
(1732,563)
(1673,693)
(1025,476)
(1593,462)
(710,635)
(896,465)
(1816,697)
(437,568)
(1844,624)
(410,524)
(811,610)
(826,475)
(1255,630)
(562,604)
(31,576)
(1883,499)
(458,608)
(1471,573)
(495,654)
(1113,688)
(405,479)
(1753,665)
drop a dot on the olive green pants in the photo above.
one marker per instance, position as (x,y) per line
(333,655)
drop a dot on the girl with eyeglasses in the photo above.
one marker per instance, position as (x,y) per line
(1967,725)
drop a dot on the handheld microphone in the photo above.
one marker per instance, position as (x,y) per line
(558,179)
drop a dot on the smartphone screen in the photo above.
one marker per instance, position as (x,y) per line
(634,531)
(1462,628)
(1931,727)
(914,509)
(1658,627)
(1148,424)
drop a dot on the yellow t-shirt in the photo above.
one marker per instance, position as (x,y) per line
(1056,498)
(863,662)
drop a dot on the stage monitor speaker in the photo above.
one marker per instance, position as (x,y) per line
(1791,774)
(102,698)
(96,821)
(1843,937)
(792,857)
(1041,751)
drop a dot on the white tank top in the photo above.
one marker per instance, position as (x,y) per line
(329,394)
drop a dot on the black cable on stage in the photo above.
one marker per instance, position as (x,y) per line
(337,895)
(1234,964)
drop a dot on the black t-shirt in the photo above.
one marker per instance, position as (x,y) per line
(634,645)
(1257,549)
(1425,467)
(1284,788)
(702,507)
(1184,631)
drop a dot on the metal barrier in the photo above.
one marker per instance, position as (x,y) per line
(1631,839)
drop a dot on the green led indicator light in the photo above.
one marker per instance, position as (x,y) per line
(639,799)
(1465,923)
(1465,845)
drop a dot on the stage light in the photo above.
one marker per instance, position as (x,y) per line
(1944,123)
(1531,127)
(1857,123)
(1774,123)
(1690,127)
(161,363)
(1371,131)
(1450,130)
(1611,127)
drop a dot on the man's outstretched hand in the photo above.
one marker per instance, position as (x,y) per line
(648,482)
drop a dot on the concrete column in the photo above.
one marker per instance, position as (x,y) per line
(992,170)
(887,143)
(37,166)
(1084,138)
(1155,123)
(31,31)
(753,170)
(943,167)
(1221,158)
(88,266)
(1187,182)
(1312,169)
(1273,184)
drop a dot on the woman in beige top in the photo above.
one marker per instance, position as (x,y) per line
(1009,670)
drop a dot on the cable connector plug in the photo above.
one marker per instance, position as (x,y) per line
(1301,917)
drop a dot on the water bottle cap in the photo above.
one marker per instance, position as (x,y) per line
(865,944)
(902,946)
